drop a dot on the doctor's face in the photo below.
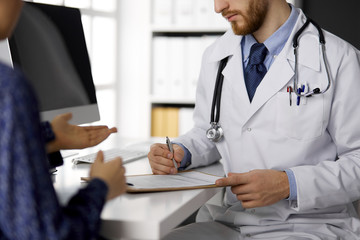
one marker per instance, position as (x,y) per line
(245,16)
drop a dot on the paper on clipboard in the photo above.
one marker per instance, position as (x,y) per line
(181,181)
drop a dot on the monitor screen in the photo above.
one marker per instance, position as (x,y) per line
(48,45)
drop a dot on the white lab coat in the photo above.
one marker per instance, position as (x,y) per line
(319,141)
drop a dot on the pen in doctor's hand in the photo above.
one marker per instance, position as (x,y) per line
(169,144)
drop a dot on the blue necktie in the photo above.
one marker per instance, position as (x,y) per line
(255,70)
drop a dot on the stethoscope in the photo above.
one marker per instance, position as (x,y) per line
(215,133)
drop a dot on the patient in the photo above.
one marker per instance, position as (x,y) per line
(28,203)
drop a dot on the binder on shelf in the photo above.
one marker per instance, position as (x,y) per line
(186,121)
(193,54)
(160,66)
(164,122)
(162,12)
(183,12)
(203,12)
(176,66)
(158,122)
(172,122)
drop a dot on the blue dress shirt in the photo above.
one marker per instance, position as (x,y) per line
(28,203)
(274,44)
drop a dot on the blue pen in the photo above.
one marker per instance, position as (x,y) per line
(299,91)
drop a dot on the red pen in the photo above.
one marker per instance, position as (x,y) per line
(289,90)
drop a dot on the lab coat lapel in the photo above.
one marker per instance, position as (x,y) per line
(234,73)
(229,45)
(279,74)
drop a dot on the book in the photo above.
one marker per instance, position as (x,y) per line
(182,181)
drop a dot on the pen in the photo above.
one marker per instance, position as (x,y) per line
(300,89)
(171,150)
(305,90)
(289,90)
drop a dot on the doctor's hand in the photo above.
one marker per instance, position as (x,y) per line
(257,188)
(68,136)
(160,158)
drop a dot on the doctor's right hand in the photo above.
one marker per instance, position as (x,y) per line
(160,158)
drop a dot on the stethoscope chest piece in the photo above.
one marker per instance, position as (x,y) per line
(215,133)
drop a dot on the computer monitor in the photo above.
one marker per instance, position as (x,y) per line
(48,45)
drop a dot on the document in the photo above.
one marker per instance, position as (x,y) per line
(181,181)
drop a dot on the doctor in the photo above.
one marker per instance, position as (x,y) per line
(292,163)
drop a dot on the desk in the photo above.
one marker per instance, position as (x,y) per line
(137,216)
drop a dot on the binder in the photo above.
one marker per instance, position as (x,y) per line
(160,79)
(165,122)
(193,54)
(186,121)
(158,122)
(172,122)
(162,12)
(183,12)
(176,65)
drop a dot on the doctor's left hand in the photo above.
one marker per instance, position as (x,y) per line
(257,188)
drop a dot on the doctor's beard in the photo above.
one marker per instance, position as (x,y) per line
(253,18)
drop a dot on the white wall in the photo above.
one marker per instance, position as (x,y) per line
(134,68)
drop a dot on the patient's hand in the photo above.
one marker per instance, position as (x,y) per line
(111,172)
(68,136)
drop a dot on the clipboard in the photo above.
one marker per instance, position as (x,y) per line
(185,180)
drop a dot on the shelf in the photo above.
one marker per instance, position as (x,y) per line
(177,101)
(187,29)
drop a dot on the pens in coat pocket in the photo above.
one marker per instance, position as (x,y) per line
(169,144)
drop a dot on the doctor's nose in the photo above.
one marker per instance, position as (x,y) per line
(220,5)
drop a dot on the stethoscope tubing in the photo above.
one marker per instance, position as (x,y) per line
(215,107)
(323,52)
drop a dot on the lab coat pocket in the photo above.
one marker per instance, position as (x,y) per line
(302,122)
